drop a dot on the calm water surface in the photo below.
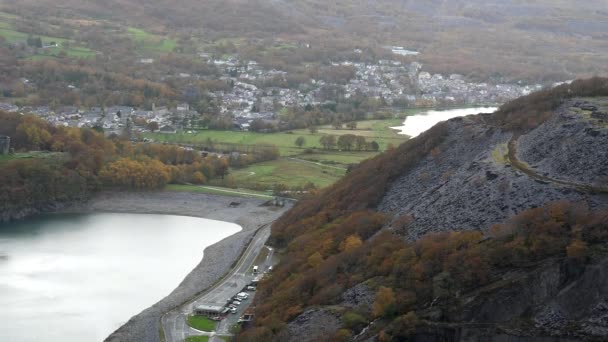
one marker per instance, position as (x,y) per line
(416,124)
(77,278)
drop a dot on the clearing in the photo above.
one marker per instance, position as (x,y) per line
(201,323)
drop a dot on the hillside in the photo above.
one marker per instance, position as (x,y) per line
(513,39)
(516,203)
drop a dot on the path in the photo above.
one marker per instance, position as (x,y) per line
(316,163)
(235,192)
(523,167)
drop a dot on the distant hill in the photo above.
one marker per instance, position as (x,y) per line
(489,226)
(550,40)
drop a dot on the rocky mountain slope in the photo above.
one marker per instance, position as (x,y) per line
(485,228)
(470,182)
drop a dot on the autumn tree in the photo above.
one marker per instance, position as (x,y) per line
(352,242)
(315,259)
(198,178)
(152,126)
(384,304)
(352,125)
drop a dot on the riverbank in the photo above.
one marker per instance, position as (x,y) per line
(249,213)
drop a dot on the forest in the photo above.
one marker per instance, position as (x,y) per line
(84,161)
(334,240)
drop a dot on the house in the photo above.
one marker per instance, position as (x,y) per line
(5,144)
(167,129)
(248,315)
(183,107)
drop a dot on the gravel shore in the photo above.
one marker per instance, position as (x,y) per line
(249,213)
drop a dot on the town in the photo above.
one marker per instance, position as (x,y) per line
(251,104)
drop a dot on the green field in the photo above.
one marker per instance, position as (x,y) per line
(290,172)
(201,323)
(149,42)
(197,339)
(372,130)
(297,166)
(13,36)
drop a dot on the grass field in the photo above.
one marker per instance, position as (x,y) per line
(197,339)
(290,172)
(373,130)
(150,42)
(13,36)
(295,168)
(201,323)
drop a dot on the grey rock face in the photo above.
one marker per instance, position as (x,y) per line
(313,325)
(470,185)
(568,146)
(358,295)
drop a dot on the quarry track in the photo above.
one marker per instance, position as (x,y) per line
(526,169)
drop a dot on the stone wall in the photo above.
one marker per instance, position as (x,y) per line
(5,144)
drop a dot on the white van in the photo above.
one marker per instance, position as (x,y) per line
(255,269)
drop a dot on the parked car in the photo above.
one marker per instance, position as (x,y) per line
(250,288)
(233,310)
(236,302)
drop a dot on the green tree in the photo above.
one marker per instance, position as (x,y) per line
(328,141)
(300,141)
(346,141)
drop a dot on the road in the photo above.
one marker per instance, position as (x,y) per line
(174,322)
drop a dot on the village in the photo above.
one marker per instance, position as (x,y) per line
(390,82)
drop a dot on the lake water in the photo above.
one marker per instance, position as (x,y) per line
(75,278)
(416,124)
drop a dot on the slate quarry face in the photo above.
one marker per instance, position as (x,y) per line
(471,185)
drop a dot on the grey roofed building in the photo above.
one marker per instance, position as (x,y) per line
(209,310)
(167,129)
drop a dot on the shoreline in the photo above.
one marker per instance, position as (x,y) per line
(217,260)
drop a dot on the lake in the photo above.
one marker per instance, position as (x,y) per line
(416,124)
(75,278)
